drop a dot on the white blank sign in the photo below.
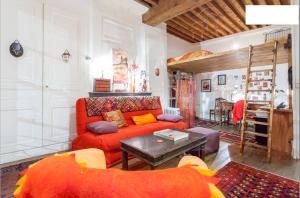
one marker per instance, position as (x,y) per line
(272,14)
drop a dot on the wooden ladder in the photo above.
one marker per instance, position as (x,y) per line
(256,104)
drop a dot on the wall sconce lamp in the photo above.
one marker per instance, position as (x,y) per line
(66,56)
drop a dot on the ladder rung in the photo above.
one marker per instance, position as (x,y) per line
(261,101)
(264,70)
(260,90)
(261,80)
(257,111)
(263,105)
(256,122)
(256,63)
(256,145)
(257,134)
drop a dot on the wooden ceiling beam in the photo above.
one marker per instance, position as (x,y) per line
(285,2)
(168,9)
(174,32)
(183,30)
(260,2)
(144,3)
(193,29)
(202,25)
(207,13)
(207,21)
(222,15)
(152,2)
(276,2)
(199,31)
(233,15)
(241,8)
(196,23)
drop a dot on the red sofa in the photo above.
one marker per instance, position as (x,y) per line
(89,110)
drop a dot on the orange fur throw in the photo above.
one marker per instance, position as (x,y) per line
(62,176)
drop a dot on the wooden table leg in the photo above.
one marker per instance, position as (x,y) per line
(221,115)
(228,116)
(202,152)
(124,160)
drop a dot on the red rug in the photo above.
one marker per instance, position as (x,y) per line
(234,137)
(205,123)
(239,180)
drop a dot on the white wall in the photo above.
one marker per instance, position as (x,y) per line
(36,105)
(236,41)
(178,47)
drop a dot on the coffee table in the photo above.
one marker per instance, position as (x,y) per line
(148,148)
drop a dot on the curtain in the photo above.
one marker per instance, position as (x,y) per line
(186,100)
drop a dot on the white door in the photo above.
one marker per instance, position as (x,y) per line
(61,79)
(20,79)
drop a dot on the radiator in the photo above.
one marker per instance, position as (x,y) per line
(172,110)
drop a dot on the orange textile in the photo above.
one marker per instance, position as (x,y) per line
(237,112)
(144,119)
(189,55)
(186,100)
(49,179)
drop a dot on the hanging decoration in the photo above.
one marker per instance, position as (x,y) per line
(66,56)
(134,68)
(16,49)
(156,71)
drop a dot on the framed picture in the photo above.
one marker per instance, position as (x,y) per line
(222,79)
(206,85)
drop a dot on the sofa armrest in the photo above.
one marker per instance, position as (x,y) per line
(93,158)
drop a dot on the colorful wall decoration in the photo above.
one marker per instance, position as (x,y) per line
(120,70)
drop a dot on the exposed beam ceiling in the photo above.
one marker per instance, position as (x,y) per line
(200,20)
(168,9)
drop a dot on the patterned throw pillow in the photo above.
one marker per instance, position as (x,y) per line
(116,117)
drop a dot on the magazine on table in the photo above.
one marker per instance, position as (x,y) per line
(171,134)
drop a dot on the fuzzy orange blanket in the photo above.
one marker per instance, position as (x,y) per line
(62,176)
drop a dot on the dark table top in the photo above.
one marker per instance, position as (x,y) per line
(148,144)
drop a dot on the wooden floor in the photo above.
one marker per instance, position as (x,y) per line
(280,164)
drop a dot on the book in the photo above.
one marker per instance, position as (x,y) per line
(171,134)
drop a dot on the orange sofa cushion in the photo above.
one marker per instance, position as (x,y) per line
(144,119)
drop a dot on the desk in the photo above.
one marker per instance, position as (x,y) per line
(226,107)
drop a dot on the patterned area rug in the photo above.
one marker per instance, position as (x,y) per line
(239,180)
(205,123)
(9,177)
(234,137)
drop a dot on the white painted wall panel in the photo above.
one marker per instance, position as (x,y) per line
(38,91)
